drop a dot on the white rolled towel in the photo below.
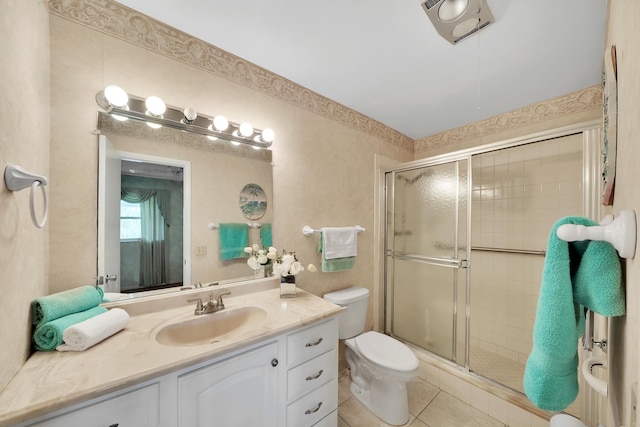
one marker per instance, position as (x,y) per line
(90,332)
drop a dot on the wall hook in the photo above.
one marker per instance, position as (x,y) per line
(16,179)
(620,232)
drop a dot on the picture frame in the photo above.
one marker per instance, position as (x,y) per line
(609,124)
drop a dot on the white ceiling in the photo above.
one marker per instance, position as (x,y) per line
(384,59)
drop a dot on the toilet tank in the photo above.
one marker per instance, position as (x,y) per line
(352,319)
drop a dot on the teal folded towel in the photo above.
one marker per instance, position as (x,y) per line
(54,306)
(233,239)
(576,275)
(47,336)
(336,264)
(265,235)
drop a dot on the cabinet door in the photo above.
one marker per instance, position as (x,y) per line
(239,392)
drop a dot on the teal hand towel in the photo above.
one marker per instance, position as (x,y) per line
(233,239)
(576,274)
(47,336)
(51,307)
(336,264)
(265,235)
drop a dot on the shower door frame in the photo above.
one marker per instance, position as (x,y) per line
(591,134)
(455,263)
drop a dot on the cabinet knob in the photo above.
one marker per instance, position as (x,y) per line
(313,344)
(314,410)
(114,425)
(274,362)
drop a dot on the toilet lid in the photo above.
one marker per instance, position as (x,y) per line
(386,351)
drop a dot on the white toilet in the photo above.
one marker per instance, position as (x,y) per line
(380,366)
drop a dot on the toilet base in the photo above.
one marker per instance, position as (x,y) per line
(387,401)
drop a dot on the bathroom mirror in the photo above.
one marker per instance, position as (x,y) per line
(212,174)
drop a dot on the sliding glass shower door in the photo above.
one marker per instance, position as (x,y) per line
(426,253)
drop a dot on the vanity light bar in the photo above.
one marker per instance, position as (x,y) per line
(183,119)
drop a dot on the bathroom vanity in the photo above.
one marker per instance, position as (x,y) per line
(276,369)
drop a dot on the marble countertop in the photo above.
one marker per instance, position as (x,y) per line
(50,381)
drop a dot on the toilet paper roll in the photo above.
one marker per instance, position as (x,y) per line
(600,386)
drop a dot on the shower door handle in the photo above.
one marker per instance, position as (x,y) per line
(444,262)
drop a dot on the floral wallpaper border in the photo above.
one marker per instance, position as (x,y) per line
(572,103)
(126,24)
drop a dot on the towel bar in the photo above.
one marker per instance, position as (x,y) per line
(214,226)
(308,231)
(620,232)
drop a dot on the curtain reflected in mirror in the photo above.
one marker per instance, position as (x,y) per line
(151,224)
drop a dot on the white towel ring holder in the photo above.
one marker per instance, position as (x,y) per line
(39,224)
(16,179)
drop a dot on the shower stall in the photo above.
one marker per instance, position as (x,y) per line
(465,238)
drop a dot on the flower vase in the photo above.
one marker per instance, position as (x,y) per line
(265,270)
(288,286)
(259,272)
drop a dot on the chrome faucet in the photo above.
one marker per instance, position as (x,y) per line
(213,305)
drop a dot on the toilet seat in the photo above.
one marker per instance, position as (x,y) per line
(387,352)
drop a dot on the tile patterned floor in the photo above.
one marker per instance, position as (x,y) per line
(428,407)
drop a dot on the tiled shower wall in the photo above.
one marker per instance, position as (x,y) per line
(518,194)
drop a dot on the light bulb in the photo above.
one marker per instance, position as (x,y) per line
(120,118)
(450,10)
(220,123)
(209,137)
(155,105)
(189,114)
(268,135)
(246,129)
(116,96)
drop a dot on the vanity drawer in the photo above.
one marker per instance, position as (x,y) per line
(312,342)
(312,374)
(138,408)
(314,406)
(330,420)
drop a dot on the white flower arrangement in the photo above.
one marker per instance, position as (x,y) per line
(259,257)
(284,264)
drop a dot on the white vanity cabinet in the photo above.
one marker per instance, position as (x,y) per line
(136,408)
(286,380)
(238,392)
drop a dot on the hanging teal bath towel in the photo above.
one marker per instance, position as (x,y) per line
(233,239)
(54,306)
(265,235)
(576,275)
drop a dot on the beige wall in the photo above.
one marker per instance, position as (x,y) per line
(623,24)
(323,171)
(24,140)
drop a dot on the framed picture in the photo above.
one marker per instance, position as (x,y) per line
(253,201)
(609,124)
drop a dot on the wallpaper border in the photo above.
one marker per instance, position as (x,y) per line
(119,21)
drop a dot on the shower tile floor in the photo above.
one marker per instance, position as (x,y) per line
(428,407)
(500,369)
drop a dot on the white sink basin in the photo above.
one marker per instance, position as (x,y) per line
(211,328)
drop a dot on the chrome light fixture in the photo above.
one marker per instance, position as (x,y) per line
(156,113)
(455,20)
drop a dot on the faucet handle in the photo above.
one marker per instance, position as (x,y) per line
(199,306)
(220,302)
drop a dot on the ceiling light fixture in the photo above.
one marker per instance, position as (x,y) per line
(455,20)
(154,111)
